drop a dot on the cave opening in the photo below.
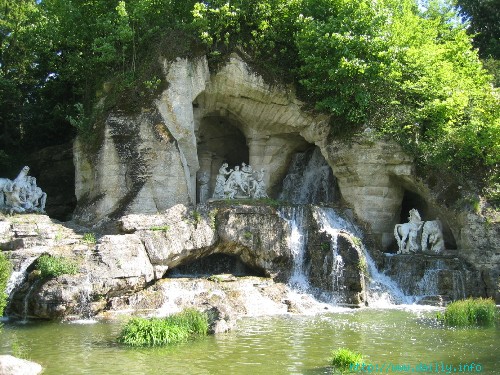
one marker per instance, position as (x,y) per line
(215,264)
(427,213)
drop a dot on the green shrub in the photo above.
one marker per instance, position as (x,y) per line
(343,358)
(164,331)
(50,266)
(5,271)
(470,312)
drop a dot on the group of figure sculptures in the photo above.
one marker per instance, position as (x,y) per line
(235,183)
(21,194)
(419,236)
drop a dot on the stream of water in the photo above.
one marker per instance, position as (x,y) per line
(265,345)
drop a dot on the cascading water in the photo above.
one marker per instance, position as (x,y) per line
(381,290)
(17,277)
(309,179)
(297,244)
(423,276)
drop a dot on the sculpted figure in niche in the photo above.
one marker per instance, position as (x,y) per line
(241,183)
(235,180)
(432,236)
(221,181)
(247,172)
(203,181)
(259,186)
(407,234)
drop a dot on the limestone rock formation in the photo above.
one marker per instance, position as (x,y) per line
(116,270)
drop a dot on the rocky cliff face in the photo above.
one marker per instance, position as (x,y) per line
(115,268)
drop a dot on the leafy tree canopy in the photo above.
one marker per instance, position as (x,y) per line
(404,68)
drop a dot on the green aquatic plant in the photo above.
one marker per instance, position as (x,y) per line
(53,266)
(343,359)
(164,331)
(470,312)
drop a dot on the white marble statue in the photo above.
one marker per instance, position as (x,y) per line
(22,194)
(259,186)
(417,235)
(432,236)
(242,183)
(407,234)
(247,173)
(236,183)
(221,181)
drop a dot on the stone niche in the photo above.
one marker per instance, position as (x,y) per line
(428,212)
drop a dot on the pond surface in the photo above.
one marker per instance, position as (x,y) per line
(265,345)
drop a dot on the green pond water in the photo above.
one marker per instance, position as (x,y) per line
(265,345)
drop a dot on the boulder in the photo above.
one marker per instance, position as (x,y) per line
(10,365)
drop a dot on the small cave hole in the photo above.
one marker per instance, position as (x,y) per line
(215,264)
(427,213)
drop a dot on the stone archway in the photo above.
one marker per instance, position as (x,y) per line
(219,140)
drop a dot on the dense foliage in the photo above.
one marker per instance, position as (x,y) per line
(470,312)
(164,331)
(404,68)
(5,271)
(54,266)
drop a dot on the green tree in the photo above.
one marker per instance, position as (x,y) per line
(482,16)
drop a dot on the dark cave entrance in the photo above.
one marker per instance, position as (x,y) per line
(215,264)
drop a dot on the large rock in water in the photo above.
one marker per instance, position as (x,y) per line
(10,365)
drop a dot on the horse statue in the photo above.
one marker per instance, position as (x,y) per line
(432,234)
(406,234)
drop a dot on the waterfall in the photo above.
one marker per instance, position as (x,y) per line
(83,307)
(331,223)
(297,244)
(381,290)
(26,301)
(17,277)
(425,277)
(309,179)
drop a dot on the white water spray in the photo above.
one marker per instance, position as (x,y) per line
(17,277)
(309,179)
(381,290)
(297,244)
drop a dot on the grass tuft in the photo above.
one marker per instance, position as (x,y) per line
(470,312)
(50,266)
(164,331)
(342,359)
